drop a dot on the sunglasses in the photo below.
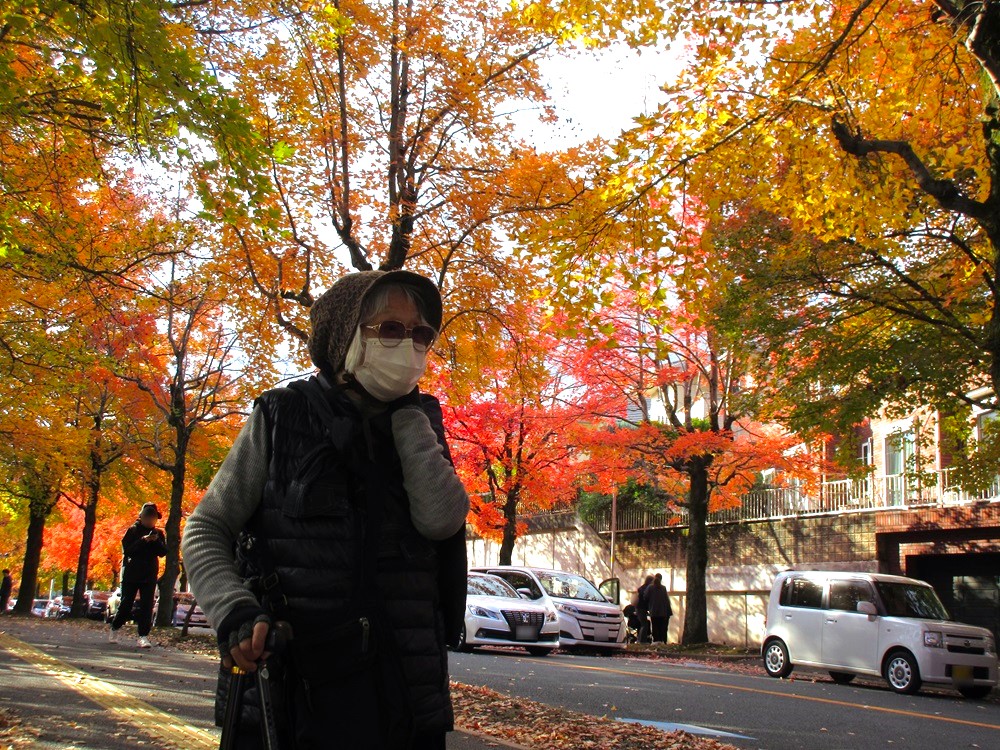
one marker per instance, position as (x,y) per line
(391,332)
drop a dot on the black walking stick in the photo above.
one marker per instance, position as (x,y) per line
(277,639)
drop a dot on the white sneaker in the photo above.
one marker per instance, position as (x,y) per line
(112,636)
(144,642)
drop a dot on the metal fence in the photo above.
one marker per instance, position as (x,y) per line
(841,496)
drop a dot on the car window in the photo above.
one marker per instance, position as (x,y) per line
(802,592)
(845,595)
(911,600)
(519,580)
(490,586)
(568,586)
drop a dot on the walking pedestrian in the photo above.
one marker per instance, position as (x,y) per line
(642,609)
(142,546)
(660,611)
(348,521)
(6,586)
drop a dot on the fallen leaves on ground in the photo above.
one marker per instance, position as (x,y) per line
(540,727)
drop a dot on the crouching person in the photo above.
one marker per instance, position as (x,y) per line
(338,510)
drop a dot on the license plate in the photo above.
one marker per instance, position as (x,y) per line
(602,633)
(526,633)
(961,673)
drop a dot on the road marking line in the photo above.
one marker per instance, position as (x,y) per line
(831,701)
(670,726)
(160,725)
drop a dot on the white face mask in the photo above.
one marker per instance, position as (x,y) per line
(387,372)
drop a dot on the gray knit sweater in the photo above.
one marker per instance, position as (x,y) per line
(438,505)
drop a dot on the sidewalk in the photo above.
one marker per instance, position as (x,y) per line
(69,687)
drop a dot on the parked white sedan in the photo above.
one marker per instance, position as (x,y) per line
(496,615)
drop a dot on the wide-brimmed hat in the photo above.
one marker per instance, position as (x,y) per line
(150,509)
(336,314)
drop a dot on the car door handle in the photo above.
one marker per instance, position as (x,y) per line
(830,620)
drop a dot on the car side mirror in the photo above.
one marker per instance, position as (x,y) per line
(867,608)
(525,593)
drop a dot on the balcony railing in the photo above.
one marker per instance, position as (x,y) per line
(841,496)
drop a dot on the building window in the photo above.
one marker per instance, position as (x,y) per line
(900,458)
(984,419)
(900,450)
(866,453)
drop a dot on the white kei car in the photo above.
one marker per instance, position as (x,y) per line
(496,615)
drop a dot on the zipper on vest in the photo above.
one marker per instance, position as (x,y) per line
(365,630)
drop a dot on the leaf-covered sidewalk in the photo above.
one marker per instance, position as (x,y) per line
(540,727)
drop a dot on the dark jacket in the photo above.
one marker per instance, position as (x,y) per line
(659,601)
(140,563)
(642,598)
(357,581)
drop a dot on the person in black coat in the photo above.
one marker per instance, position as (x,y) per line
(142,546)
(660,610)
(6,586)
(338,516)
(642,609)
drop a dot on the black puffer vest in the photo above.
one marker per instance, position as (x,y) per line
(359,585)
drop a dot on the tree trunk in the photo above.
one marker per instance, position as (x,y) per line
(172,567)
(32,555)
(86,542)
(509,527)
(695,607)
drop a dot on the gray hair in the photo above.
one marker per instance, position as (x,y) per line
(378,299)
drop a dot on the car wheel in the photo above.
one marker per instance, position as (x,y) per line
(776,660)
(975,692)
(841,678)
(902,673)
(538,650)
(463,645)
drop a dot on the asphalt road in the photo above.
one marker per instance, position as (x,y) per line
(810,712)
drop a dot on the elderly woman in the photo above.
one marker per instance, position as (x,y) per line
(338,511)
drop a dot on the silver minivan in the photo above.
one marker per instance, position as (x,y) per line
(874,624)
(587,613)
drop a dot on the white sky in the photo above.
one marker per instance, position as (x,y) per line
(599,92)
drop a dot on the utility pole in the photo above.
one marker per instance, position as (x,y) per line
(614,528)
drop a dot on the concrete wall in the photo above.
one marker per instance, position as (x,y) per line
(743,561)
(568,544)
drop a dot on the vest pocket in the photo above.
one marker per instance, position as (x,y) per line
(330,654)
(318,488)
(325,496)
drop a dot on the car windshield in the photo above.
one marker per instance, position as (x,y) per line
(567,586)
(912,600)
(491,586)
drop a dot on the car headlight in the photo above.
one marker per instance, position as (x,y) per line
(933,639)
(567,608)
(483,612)
(991,646)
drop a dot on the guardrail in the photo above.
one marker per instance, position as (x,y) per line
(840,496)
